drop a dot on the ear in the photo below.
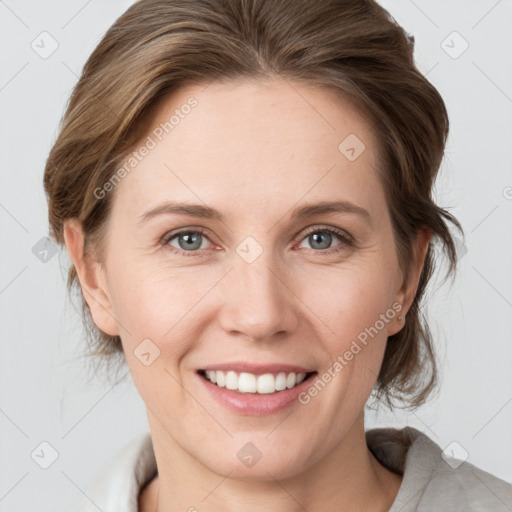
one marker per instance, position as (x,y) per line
(91,275)
(405,296)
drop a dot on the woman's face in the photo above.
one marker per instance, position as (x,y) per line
(252,284)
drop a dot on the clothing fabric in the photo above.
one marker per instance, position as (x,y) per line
(430,483)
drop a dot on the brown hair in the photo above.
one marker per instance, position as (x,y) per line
(353,47)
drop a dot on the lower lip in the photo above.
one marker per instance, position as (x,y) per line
(255,404)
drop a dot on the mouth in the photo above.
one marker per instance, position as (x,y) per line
(256,384)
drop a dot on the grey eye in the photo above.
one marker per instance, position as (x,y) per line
(320,239)
(188,240)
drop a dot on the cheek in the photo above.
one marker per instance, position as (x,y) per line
(355,309)
(352,299)
(155,305)
(154,300)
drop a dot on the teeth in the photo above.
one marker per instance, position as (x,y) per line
(250,383)
(266,383)
(231,380)
(281,381)
(247,383)
(221,379)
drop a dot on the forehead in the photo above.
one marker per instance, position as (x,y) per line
(257,141)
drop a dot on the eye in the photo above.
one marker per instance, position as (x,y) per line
(188,241)
(321,239)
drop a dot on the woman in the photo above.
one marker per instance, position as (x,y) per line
(245,191)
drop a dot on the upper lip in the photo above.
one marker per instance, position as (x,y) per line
(257,369)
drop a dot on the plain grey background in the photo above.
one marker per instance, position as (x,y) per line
(47,393)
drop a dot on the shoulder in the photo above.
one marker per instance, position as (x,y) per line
(117,486)
(472,488)
(431,481)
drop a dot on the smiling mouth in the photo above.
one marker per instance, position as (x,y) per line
(244,382)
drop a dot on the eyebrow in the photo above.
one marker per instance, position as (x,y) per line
(302,212)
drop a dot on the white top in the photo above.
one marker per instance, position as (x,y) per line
(430,483)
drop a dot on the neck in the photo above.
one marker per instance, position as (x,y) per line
(349,478)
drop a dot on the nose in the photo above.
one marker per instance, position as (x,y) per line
(257,301)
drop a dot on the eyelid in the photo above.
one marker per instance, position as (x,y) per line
(338,231)
(192,229)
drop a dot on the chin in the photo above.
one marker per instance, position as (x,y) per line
(268,471)
(258,461)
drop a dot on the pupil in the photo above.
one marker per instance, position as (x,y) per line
(191,239)
(319,235)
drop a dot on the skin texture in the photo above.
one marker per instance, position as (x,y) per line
(254,151)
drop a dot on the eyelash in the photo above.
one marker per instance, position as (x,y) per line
(346,240)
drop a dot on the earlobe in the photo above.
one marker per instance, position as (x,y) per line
(407,292)
(420,253)
(91,277)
